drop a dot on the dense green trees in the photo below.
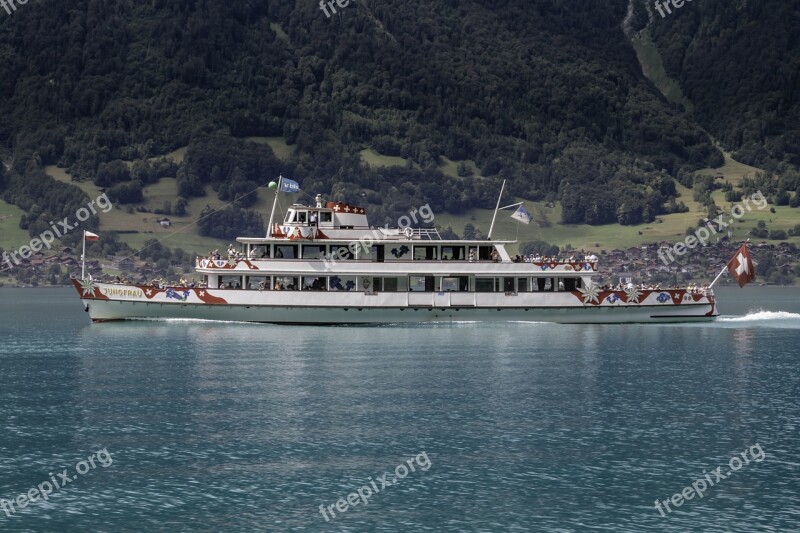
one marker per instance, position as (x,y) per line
(738,63)
(547,95)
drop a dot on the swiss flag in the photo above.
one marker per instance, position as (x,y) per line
(741,266)
(89,236)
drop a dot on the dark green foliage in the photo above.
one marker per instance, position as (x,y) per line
(126,193)
(236,169)
(539,247)
(733,196)
(110,173)
(738,63)
(531,93)
(230,223)
(44,200)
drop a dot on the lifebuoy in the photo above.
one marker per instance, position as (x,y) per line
(408,232)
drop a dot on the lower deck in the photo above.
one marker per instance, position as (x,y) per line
(585,305)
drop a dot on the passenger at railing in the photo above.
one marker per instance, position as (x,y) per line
(278,254)
(495,256)
(231,252)
(472,256)
(262,285)
(312,219)
(252,252)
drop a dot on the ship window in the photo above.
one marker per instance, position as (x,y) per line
(425,253)
(508,285)
(377,284)
(416,283)
(230,282)
(258,283)
(390,285)
(453,252)
(570,284)
(544,284)
(313,252)
(421,283)
(366,253)
(343,253)
(326,217)
(285,283)
(285,251)
(289,216)
(455,284)
(522,284)
(485,253)
(314,283)
(301,217)
(484,285)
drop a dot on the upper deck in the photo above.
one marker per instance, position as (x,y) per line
(337,237)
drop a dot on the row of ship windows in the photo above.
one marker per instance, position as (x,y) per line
(399,284)
(377,252)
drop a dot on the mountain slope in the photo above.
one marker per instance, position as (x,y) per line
(547,95)
(739,63)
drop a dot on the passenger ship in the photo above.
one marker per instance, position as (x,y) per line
(324,264)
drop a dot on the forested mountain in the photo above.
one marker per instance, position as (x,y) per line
(739,64)
(547,94)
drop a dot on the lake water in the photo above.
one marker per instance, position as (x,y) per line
(197,426)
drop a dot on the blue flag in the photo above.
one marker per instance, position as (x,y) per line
(288,185)
(522,215)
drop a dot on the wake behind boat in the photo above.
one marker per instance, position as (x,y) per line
(324,264)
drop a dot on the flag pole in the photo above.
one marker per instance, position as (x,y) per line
(83,258)
(721,272)
(274,203)
(497,207)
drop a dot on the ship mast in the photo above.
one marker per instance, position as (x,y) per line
(496,208)
(274,204)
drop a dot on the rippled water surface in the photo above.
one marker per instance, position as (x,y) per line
(525,426)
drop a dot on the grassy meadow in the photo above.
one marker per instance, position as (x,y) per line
(137,227)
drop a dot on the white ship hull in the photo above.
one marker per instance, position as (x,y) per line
(107,302)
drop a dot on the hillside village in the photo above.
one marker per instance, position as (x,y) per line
(776,264)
